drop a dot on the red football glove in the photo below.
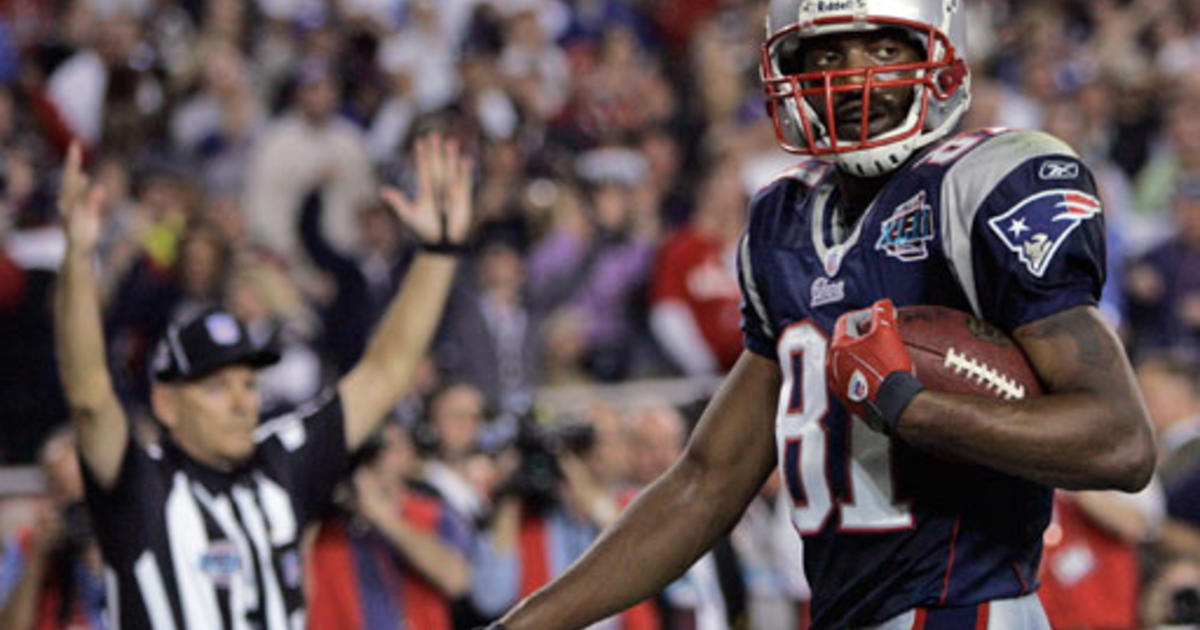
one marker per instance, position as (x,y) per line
(868,367)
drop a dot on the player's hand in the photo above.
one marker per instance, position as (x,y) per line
(441,213)
(80,203)
(868,367)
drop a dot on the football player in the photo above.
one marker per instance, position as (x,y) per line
(918,509)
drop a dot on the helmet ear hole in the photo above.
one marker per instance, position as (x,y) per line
(951,78)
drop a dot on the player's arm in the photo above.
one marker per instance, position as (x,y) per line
(676,519)
(95,411)
(441,216)
(1089,431)
(1024,233)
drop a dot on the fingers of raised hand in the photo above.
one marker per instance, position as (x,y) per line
(440,212)
(459,198)
(424,155)
(95,200)
(415,214)
(439,150)
(439,164)
(74,182)
(73,172)
(397,200)
(460,182)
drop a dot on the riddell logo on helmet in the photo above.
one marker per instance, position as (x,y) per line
(835,5)
(832,5)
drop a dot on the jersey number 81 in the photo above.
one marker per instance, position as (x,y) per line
(802,436)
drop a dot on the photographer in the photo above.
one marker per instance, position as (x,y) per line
(395,555)
(1091,555)
(58,560)
(711,593)
(449,439)
(562,494)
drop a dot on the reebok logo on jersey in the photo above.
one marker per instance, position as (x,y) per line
(906,234)
(1056,170)
(1036,228)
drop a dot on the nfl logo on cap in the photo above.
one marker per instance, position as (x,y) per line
(223,329)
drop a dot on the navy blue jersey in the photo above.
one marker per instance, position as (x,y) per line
(1004,224)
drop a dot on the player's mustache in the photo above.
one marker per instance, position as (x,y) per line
(851,110)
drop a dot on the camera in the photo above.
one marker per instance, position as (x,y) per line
(536,479)
(77,527)
(1185,606)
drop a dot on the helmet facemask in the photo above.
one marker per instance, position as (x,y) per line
(939,83)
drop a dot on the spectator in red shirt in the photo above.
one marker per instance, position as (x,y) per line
(395,561)
(1090,571)
(695,299)
(52,571)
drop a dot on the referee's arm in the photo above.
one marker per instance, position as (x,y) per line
(441,217)
(96,413)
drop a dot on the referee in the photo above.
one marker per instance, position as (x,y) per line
(202,531)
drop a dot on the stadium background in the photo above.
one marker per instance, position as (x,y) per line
(617,144)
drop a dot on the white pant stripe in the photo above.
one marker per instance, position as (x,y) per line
(1020,613)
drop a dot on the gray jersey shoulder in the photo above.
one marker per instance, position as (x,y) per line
(971,178)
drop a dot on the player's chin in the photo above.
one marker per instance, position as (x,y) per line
(851,132)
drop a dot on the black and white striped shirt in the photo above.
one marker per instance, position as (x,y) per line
(187,547)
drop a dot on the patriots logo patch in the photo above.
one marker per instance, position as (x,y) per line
(1037,227)
(906,234)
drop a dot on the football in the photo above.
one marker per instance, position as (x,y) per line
(956,353)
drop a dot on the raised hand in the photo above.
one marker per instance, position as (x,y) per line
(441,213)
(80,203)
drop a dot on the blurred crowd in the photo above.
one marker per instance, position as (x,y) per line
(617,143)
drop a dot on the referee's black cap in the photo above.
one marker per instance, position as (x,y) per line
(206,342)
